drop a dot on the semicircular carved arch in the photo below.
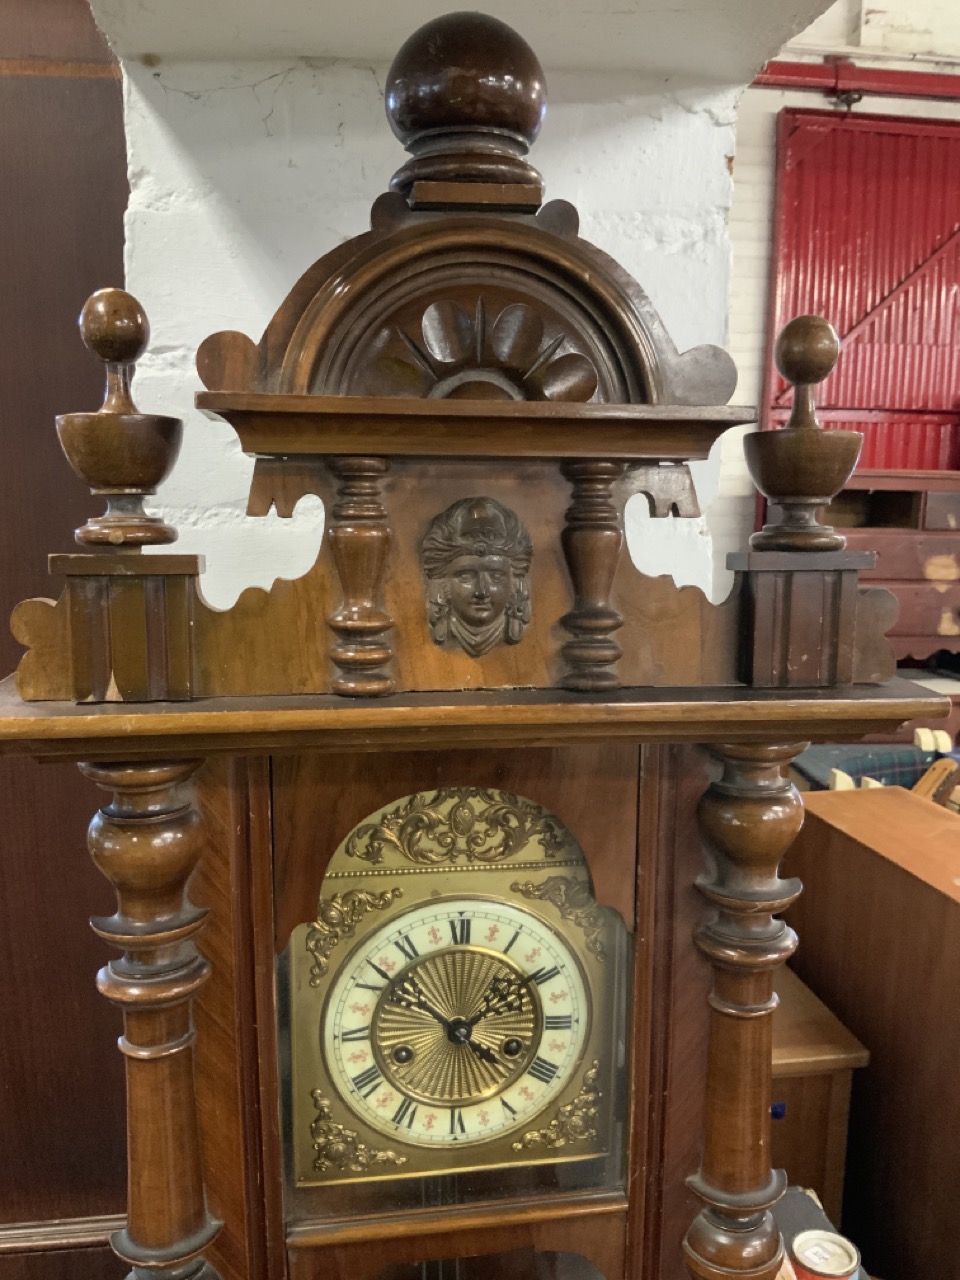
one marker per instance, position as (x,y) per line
(373,304)
(472,307)
(382,296)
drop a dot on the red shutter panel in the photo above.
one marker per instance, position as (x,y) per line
(867,233)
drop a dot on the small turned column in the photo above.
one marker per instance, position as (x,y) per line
(592,542)
(749,818)
(147,841)
(360,538)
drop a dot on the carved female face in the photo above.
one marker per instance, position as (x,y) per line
(475,557)
(480,588)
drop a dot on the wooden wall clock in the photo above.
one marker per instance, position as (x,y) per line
(447,890)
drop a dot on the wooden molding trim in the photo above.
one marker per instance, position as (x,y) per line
(59,1233)
(65,70)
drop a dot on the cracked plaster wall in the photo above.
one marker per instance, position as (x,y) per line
(243,174)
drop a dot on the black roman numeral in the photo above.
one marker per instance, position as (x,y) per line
(460,931)
(558,1021)
(406,1111)
(542,1070)
(511,942)
(356,1033)
(456,1123)
(544,975)
(507,1107)
(367,987)
(368,1081)
(405,946)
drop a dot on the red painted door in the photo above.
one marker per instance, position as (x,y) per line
(867,233)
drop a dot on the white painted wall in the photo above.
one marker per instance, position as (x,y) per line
(244,171)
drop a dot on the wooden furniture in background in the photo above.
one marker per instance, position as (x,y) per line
(814,1057)
(474,392)
(880,921)
(911,519)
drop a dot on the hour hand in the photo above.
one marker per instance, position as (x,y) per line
(409,995)
(483,1052)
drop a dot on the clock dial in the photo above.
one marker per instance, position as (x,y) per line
(457,1022)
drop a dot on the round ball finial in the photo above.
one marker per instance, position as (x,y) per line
(114,327)
(807,350)
(466,72)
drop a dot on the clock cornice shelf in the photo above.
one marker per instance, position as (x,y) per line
(428,721)
(280,425)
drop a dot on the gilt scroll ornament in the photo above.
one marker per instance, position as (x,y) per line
(576,1121)
(476,556)
(472,823)
(340,1148)
(574,902)
(337,919)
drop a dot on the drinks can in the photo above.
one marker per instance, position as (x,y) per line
(823,1255)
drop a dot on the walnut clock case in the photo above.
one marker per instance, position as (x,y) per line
(447,875)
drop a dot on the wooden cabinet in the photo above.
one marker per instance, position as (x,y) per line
(814,1057)
(911,519)
(880,926)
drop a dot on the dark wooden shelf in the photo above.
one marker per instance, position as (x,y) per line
(923,481)
(432,721)
(271,425)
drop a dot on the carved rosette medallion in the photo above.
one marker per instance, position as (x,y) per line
(339,1149)
(576,1120)
(574,902)
(500,355)
(476,556)
(470,823)
(337,919)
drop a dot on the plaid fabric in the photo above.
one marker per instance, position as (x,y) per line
(896,765)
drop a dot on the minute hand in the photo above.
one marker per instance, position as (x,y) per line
(504,995)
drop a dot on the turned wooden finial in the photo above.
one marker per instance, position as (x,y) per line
(122,454)
(466,96)
(113,326)
(806,352)
(801,467)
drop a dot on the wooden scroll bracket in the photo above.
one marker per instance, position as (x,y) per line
(749,818)
(147,841)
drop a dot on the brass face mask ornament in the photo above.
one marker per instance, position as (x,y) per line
(476,556)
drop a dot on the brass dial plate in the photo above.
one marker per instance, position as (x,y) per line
(456,1022)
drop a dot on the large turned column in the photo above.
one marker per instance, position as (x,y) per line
(147,842)
(749,819)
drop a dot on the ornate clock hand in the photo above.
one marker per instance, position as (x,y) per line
(504,995)
(409,995)
(483,1053)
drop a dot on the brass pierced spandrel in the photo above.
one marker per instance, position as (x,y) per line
(573,900)
(337,919)
(474,823)
(576,1121)
(339,1148)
